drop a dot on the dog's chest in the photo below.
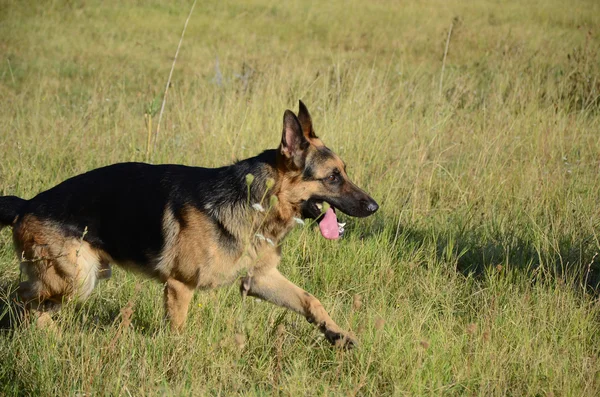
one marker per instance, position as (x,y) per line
(221,268)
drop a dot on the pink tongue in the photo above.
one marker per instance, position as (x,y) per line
(329,226)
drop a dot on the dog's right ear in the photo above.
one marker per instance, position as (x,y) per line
(293,143)
(305,121)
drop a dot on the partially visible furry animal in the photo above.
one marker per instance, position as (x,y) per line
(188,227)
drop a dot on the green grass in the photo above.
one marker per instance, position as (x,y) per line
(477,275)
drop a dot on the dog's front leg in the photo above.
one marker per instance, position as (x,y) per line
(273,287)
(177,301)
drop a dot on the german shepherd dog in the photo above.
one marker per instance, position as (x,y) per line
(188,227)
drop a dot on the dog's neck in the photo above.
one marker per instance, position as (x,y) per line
(264,214)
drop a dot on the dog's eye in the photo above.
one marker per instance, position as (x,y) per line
(332,178)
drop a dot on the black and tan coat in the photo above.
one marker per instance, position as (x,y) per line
(188,227)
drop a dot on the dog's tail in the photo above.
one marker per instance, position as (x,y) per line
(10,208)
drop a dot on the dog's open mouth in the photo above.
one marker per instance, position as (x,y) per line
(328,224)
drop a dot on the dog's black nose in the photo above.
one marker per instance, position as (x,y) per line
(370,206)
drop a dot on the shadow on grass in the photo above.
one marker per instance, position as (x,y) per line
(473,252)
(13,314)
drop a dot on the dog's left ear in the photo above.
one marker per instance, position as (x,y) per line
(305,121)
(293,142)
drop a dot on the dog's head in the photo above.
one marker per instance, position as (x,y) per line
(322,176)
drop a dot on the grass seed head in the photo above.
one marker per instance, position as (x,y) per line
(280,330)
(270,183)
(249,179)
(240,340)
(379,323)
(471,328)
(357,302)
(273,201)
(486,335)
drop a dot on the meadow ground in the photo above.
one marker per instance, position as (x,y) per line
(477,276)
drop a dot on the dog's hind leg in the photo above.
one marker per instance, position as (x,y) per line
(57,268)
(273,287)
(44,290)
(177,301)
(56,275)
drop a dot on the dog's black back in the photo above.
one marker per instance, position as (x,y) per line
(127,201)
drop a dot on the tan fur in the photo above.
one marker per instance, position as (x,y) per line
(194,259)
(272,286)
(170,227)
(177,301)
(192,254)
(200,260)
(57,267)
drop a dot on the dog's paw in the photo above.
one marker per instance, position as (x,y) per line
(340,339)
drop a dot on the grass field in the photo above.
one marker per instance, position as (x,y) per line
(477,276)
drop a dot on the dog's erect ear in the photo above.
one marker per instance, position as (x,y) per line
(305,121)
(293,142)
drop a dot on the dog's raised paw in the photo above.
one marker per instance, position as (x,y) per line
(340,339)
